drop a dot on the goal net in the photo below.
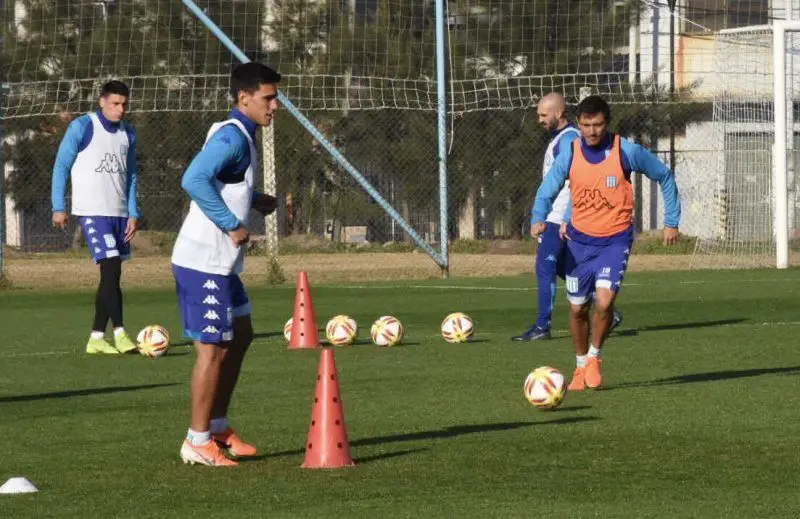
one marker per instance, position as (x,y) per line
(743,188)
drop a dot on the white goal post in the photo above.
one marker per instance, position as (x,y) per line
(750,187)
(783,107)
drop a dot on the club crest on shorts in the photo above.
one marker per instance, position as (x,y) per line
(611,181)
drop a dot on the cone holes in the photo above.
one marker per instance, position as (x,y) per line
(314,422)
(309,445)
(335,400)
(337,422)
(339,445)
(333,377)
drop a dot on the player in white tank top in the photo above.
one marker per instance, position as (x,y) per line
(208,256)
(98,157)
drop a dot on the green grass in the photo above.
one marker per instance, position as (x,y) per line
(698,419)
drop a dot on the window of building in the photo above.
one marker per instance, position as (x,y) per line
(715,15)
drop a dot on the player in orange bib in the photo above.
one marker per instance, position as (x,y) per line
(600,233)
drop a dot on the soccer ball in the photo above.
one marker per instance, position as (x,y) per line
(287,329)
(341,330)
(387,331)
(545,387)
(457,327)
(153,341)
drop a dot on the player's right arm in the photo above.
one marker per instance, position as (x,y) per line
(552,184)
(67,153)
(225,148)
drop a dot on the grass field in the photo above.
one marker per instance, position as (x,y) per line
(698,417)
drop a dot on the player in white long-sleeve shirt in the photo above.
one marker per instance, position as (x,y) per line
(98,155)
(209,256)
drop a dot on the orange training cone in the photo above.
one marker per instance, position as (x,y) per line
(304,322)
(327,446)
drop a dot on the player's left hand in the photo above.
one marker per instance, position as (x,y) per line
(130,229)
(670,235)
(265,204)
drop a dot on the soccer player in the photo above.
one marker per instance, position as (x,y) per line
(600,233)
(209,256)
(551,253)
(98,154)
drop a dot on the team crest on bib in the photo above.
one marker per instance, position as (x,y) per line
(611,181)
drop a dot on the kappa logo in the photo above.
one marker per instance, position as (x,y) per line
(110,164)
(551,257)
(98,250)
(88,221)
(91,231)
(95,240)
(211,315)
(592,199)
(211,300)
(210,329)
(210,284)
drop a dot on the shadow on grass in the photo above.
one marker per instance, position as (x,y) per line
(81,392)
(676,326)
(447,432)
(710,376)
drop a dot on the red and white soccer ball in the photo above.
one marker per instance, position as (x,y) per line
(545,387)
(457,327)
(386,331)
(287,329)
(341,330)
(153,341)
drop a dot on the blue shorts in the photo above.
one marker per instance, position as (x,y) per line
(595,266)
(105,236)
(208,304)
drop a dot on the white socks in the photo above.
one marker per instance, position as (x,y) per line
(118,331)
(580,360)
(198,437)
(218,425)
(96,335)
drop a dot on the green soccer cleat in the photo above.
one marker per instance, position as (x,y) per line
(95,346)
(124,343)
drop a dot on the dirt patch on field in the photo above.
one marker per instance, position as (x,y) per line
(154,271)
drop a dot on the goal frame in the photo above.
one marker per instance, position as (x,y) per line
(781,173)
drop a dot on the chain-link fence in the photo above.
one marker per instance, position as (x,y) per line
(362,73)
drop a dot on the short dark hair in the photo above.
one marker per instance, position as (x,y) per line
(115,87)
(593,105)
(248,77)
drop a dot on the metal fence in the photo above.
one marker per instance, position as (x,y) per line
(373,96)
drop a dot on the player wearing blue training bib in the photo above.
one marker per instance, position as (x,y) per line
(209,256)
(98,156)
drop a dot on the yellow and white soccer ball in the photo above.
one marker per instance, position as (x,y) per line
(387,331)
(153,341)
(341,330)
(287,329)
(457,327)
(544,387)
